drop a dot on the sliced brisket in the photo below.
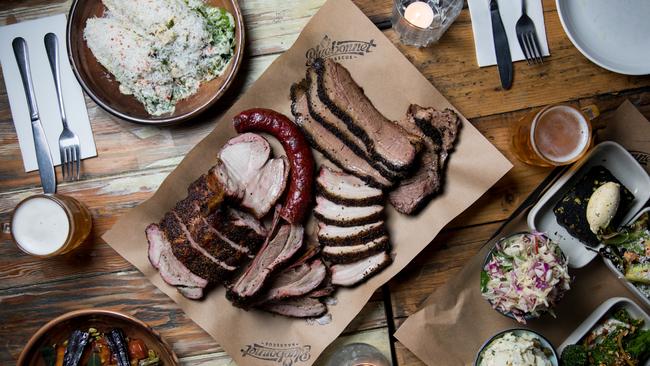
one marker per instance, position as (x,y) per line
(352,274)
(439,130)
(330,145)
(301,307)
(171,269)
(353,253)
(386,141)
(333,235)
(346,189)
(297,280)
(334,214)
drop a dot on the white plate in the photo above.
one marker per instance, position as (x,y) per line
(604,310)
(621,164)
(614,34)
(621,277)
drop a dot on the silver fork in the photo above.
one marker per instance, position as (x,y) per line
(68,140)
(527,37)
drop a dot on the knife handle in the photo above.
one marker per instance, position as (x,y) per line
(501,47)
(22,59)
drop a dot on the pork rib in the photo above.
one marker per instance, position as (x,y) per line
(386,141)
(330,145)
(352,274)
(347,189)
(171,269)
(334,214)
(275,252)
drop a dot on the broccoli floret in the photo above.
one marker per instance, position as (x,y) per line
(574,355)
(639,346)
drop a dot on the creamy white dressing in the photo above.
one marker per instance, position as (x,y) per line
(602,206)
(515,350)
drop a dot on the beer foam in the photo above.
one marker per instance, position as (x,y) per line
(40,226)
(560,134)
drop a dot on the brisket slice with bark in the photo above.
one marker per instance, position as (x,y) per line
(325,117)
(386,141)
(346,189)
(352,274)
(439,130)
(340,215)
(299,307)
(333,235)
(279,248)
(353,253)
(330,145)
(171,269)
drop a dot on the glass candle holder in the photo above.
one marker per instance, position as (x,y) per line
(357,354)
(421,23)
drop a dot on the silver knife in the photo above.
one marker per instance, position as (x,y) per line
(501,46)
(43,157)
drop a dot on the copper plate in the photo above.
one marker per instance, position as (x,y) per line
(58,330)
(100,85)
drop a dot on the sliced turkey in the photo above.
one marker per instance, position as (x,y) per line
(244,156)
(349,235)
(275,252)
(347,189)
(265,188)
(332,213)
(352,253)
(352,274)
(386,141)
(171,269)
(301,307)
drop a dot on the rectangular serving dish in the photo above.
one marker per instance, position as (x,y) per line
(622,165)
(643,298)
(604,310)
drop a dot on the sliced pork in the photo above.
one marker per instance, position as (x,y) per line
(265,188)
(244,157)
(171,269)
(276,251)
(328,144)
(439,131)
(386,141)
(352,274)
(347,189)
(297,280)
(333,235)
(340,215)
(240,227)
(353,253)
(301,307)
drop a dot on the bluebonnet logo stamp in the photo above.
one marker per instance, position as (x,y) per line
(285,354)
(339,50)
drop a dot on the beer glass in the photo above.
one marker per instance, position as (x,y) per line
(47,225)
(554,135)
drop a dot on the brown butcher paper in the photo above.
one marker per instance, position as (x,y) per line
(455,320)
(342,32)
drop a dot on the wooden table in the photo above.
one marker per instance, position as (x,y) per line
(134,159)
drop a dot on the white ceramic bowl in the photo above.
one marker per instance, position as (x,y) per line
(555,360)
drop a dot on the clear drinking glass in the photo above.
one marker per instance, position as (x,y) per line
(357,354)
(444,13)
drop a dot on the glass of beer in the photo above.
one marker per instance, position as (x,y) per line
(555,135)
(47,225)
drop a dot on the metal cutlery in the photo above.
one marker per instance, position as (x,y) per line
(68,140)
(527,37)
(43,157)
(501,47)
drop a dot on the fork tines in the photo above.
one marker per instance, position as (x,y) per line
(530,46)
(70,162)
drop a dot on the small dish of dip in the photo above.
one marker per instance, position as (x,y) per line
(517,347)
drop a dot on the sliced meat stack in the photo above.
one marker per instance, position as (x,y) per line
(351,229)
(342,123)
(439,131)
(204,238)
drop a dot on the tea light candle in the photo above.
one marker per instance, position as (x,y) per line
(419,14)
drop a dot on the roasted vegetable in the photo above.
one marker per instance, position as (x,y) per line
(574,355)
(76,345)
(137,349)
(60,354)
(639,346)
(638,273)
(95,359)
(117,343)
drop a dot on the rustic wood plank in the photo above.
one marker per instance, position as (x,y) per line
(129,292)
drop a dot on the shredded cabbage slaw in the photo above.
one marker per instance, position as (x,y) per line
(526,276)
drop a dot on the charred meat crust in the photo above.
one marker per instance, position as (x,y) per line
(298,88)
(319,66)
(387,173)
(301,307)
(372,273)
(191,258)
(356,256)
(362,237)
(239,234)
(379,216)
(377,200)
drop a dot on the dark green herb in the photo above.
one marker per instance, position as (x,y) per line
(485,278)
(574,355)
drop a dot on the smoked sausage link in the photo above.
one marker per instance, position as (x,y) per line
(301,160)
